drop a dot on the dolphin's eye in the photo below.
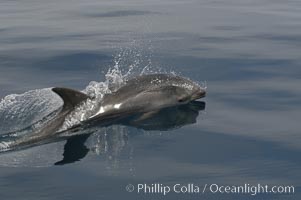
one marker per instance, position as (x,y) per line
(182,99)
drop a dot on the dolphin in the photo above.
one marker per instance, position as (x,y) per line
(146,94)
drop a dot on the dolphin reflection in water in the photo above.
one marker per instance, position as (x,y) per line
(164,120)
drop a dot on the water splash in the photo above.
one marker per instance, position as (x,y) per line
(128,62)
(18,111)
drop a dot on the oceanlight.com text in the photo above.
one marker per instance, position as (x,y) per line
(191,188)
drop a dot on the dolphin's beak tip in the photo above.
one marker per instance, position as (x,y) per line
(199,94)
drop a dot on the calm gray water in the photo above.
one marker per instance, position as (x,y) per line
(248,132)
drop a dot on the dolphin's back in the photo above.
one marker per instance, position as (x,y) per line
(140,84)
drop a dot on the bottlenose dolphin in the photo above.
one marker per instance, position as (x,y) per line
(145,94)
(148,94)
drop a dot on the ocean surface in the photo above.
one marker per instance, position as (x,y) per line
(246,131)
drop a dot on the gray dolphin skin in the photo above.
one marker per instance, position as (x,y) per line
(145,94)
(148,94)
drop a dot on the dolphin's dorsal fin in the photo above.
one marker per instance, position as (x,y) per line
(70,97)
